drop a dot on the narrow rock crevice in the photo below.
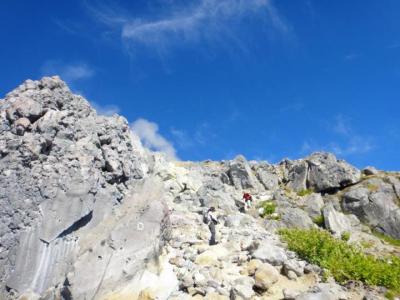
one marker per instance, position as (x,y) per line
(77,225)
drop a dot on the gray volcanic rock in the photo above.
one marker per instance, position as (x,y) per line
(241,175)
(320,172)
(313,205)
(338,223)
(267,176)
(327,173)
(376,202)
(65,170)
(298,173)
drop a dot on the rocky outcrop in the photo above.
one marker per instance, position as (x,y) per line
(327,173)
(241,174)
(338,223)
(68,179)
(376,202)
(321,172)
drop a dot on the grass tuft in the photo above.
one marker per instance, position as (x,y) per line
(305,192)
(372,187)
(269,208)
(345,236)
(344,262)
(386,238)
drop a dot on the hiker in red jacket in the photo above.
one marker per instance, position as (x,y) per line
(248,201)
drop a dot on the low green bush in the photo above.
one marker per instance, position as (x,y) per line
(320,221)
(345,236)
(269,208)
(344,262)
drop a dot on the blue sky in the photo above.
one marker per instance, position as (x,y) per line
(209,79)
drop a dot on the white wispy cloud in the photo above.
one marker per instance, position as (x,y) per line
(341,125)
(148,132)
(348,141)
(70,72)
(354,146)
(182,138)
(105,110)
(207,20)
(202,135)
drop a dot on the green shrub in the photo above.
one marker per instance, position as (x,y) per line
(344,262)
(386,238)
(320,221)
(345,236)
(305,192)
(269,208)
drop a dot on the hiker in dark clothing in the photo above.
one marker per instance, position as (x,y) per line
(212,220)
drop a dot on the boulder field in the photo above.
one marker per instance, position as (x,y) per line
(88,213)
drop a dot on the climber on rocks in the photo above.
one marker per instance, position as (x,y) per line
(248,201)
(211,220)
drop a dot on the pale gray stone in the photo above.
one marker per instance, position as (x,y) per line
(269,253)
(375,202)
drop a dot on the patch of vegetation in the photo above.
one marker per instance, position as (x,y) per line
(344,262)
(268,207)
(372,187)
(288,192)
(386,238)
(305,192)
(390,295)
(367,244)
(320,221)
(345,236)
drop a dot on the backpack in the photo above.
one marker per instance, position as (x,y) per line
(206,217)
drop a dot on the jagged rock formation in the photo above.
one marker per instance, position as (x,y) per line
(87,213)
(68,178)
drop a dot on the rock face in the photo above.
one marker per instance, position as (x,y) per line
(321,172)
(88,213)
(376,202)
(65,173)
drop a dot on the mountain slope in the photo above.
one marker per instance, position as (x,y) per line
(88,213)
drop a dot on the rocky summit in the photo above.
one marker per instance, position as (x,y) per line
(88,213)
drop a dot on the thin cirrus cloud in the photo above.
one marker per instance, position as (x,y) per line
(152,139)
(105,110)
(207,21)
(348,141)
(70,72)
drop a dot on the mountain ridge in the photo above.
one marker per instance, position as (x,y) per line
(89,213)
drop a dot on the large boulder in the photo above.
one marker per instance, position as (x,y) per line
(313,205)
(69,180)
(269,253)
(297,176)
(327,173)
(241,175)
(339,223)
(376,202)
(267,176)
(266,276)
(320,172)
(294,217)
